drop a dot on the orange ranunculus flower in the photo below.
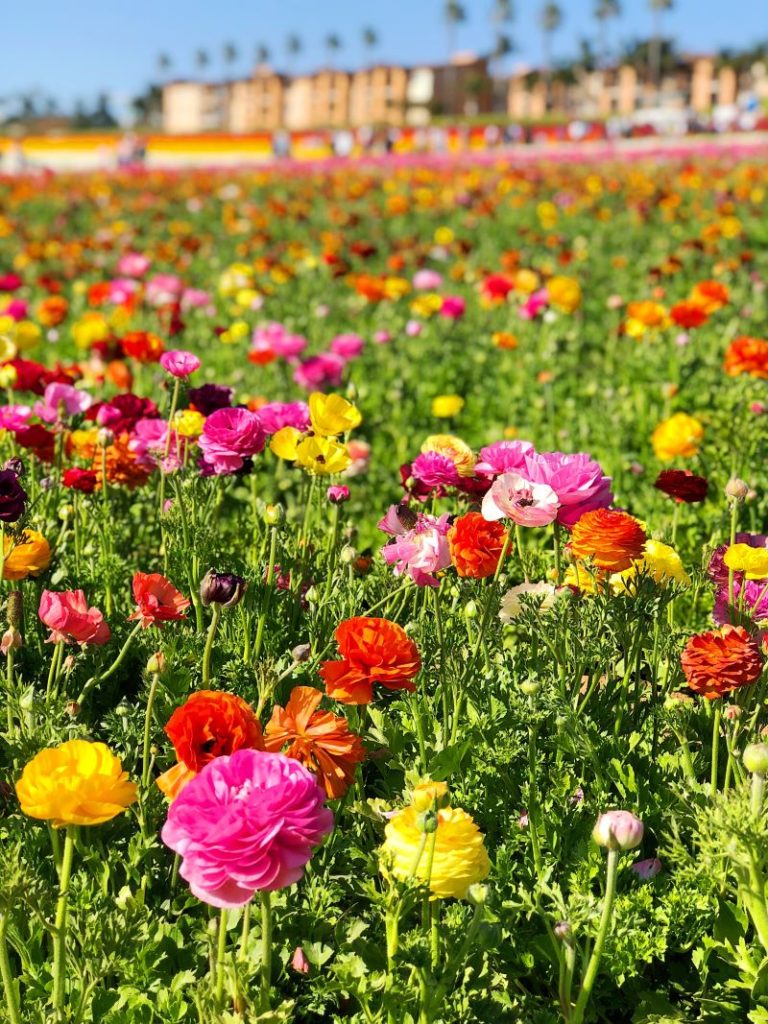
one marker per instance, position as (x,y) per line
(321,740)
(647,313)
(564,293)
(710,295)
(747,355)
(720,661)
(475,545)
(688,315)
(372,651)
(28,556)
(678,436)
(52,310)
(123,466)
(612,539)
(118,373)
(208,725)
(157,600)
(143,346)
(76,783)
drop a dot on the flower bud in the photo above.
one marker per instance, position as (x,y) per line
(15,609)
(274,515)
(732,712)
(646,869)
(563,931)
(11,640)
(428,821)
(65,513)
(312,595)
(470,610)
(299,961)
(530,687)
(15,465)
(301,653)
(428,794)
(337,494)
(157,664)
(477,894)
(347,555)
(104,437)
(756,758)
(736,490)
(618,830)
(223,588)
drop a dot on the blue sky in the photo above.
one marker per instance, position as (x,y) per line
(77,49)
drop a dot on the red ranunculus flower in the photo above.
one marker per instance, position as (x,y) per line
(372,651)
(79,480)
(720,661)
(157,599)
(682,485)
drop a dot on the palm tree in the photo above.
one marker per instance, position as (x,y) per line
(230,54)
(263,53)
(502,47)
(202,60)
(503,12)
(455,15)
(658,8)
(333,44)
(163,64)
(605,10)
(370,39)
(550,20)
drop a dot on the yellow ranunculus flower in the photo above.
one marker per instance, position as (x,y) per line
(753,562)
(30,556)
(236,331)
(322,455)
(188,423)
(564,293)
(427,305)
(455,449)
(90,328)
(285,443)
(76,783)
(677,437)
(660,561)
(331,414)
(459,859)
(396,287)
(427,793)
(444,236)
(8,376)
(526,281)
(445,406)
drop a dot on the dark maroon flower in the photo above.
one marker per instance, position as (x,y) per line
(682,485)
(223,588)
(13,497)
(210,397)
(38,440)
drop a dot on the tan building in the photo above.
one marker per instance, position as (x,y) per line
(378,95)
(258,103)
(190,107)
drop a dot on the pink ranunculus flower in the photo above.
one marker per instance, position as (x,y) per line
(247,823)
(179,363)
(427,280)
(276,415)
(60,401)
(196,298)
(67,615)
(348,346)
(502,457)
(133,264)
(16,309)
(420,550)
(122,290)
(435,470)
(533,305)
(413,328)
(14,417)
(577,480)
(318,372)
(163,289)
(526,503)
(382,337)
(453,307)
(230,436)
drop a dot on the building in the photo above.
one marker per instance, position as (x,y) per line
(378,95)
(191,107)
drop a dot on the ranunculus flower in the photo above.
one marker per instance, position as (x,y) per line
(76,783)
(133,264)
(503,457)
(179,363)
(542,597)
(435,470)
(453,307)
(720,661)
(577,480)
(612,539)
(30,555)
(13,497)
(682,485)
(321,740)
(231,436)
(525,503)
(457,861)
(60,401)
(275,415)
(420,544)
(157,599)
(348,346)
(223,588)
(677,437)
(209,724)
(476,545)
(210,397)
(618,830)
(67,615)
(331,415)
(76,479)
(747,355)
(372,651)
(321,371)
(247,823)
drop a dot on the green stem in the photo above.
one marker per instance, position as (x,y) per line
(715,748)
(115,664)
(221,952)
(267,600)
(590,974)
(212,629)
(60,930)
(9,984)
(148,729)
(266,950)
(756,794)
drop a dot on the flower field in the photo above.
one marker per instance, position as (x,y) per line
(384,576)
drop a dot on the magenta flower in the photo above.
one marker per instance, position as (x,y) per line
(196,298)
(14,417)
(337,494)
(382,337)
(718,571)
(246,823)
(453,307)
(533,305)
(419,546)
(179,363)
(276,415)
(16,309)
(122,290)
(60,401)
(513,497)
(503,457)
(577,480)
(753,602)
(230,436)
(347,346)
(435,470)
(133,264)
(318,372)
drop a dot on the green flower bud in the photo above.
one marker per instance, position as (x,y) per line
(756,758)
